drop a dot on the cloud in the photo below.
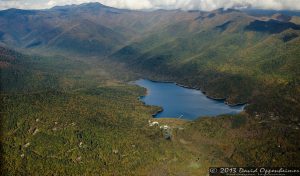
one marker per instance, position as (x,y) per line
(159,4)
(128,4)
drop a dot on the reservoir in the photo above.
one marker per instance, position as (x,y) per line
(180,102)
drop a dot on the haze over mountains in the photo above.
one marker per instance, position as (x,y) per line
(205,5)
(95,25)
(89,25)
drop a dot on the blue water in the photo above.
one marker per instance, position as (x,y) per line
(182,102)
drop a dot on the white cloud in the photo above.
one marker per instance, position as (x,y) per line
(158,4)
(128,4)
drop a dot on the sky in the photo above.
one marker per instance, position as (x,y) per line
(159,4)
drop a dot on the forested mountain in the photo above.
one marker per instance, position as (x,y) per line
(85,29)
(67,106)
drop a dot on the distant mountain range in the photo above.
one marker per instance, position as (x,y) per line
(93,28)
(88,28)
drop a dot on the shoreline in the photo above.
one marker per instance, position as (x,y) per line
(157,112)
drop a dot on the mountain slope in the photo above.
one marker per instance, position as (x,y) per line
(90,28)
(227,54)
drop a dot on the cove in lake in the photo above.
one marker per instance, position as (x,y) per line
(183,102)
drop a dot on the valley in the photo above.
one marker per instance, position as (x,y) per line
(67,107)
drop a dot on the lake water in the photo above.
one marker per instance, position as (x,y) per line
(182,102)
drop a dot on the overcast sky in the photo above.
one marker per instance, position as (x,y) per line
(158,4)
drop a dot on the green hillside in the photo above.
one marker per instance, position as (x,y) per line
(231,59)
